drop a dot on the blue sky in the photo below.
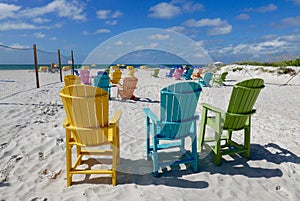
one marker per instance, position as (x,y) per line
(228,30)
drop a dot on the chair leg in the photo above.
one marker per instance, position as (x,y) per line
(217,150)
(114,164)
(228,138)
(202,129)
(68,158)
(155,157)
(218,135)
(247,142)
(194,153)
(182,143)
(147,138)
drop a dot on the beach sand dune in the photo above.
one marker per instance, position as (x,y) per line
(32,148)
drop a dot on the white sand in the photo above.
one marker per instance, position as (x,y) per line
(32,148)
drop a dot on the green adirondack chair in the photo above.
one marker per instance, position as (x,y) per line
(237,117)
(155,73)
(219,79)
(177,122)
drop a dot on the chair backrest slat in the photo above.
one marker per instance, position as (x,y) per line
(242,100)
(86,109)
(178,105)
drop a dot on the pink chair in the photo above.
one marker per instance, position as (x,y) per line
(85,76)
(178,73)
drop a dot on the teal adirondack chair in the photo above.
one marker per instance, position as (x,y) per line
(237,117)
(219,79)
(204,82)
(188,74)
(102,81)
(155,73)
(177,122)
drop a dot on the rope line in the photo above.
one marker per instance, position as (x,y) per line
(15,48)
(42,51)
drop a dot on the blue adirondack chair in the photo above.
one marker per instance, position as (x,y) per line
(177,122)
(102,80)
(170,73)
(204,82)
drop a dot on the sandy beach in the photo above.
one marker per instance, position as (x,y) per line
(32,148)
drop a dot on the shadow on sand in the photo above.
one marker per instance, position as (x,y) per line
(271,153)
(140,171)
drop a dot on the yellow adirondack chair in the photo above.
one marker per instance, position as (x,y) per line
(88,129)
(115,76)
(71,80)
(126,90)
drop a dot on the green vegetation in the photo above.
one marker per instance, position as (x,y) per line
(295,62)
(282,66)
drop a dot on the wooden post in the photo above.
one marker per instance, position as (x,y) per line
(59,64)
(36,67)
(72,62)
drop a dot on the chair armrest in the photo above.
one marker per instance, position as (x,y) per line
(151,115)
(65,122)
(212,108)
(116,117)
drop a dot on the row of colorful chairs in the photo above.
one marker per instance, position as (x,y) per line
(102,80)
(177,122)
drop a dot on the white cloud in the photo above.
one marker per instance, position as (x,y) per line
(204,22)
(71,9)
(119,42)
(116,14)
(16,26)
(159,37)
(17,45)
(164,10)
(192,7)
(153,45)
(290,21)
(180,29)
(220,30)
(8,10)
(111,22)
(40,20)
(242,17)
(108,14)
(99,31)
(103,14)
(39,35)
(214,26)
(263,9)
(274,46)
